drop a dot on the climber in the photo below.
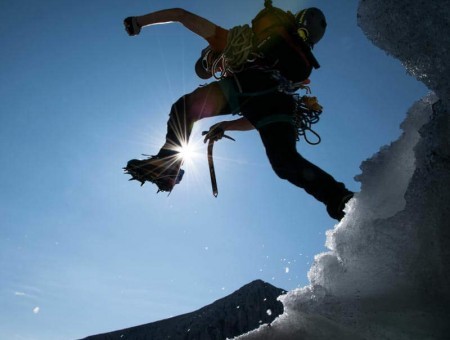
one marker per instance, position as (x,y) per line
(255,72)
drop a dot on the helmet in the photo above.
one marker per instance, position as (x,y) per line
(311,25)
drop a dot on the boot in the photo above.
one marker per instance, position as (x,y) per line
(165,172)
(336,207)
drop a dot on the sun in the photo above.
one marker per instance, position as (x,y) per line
(186,152)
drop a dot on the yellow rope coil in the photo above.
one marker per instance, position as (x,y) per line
(237,52)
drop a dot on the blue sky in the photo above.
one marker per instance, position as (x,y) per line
(82,250)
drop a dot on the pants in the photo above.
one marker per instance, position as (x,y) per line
(253,95)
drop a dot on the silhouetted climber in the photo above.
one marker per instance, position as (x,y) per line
(257,71)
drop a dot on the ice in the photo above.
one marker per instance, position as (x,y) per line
(416,33)
(385,275)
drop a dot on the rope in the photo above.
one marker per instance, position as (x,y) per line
(236,54)
(307,113)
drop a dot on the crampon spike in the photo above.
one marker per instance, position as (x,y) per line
(144,170)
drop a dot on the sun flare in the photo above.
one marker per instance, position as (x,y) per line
(188,152)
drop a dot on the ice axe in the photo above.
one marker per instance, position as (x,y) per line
(212,172)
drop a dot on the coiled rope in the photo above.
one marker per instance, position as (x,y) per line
(236,54)
(307,113)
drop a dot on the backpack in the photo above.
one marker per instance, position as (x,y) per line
(276,40)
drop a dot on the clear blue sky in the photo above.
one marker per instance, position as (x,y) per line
(82,250)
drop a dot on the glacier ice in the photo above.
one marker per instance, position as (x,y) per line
(385,275)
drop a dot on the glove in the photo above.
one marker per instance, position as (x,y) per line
(215,133)
(131,26)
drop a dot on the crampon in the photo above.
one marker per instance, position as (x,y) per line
(165,174)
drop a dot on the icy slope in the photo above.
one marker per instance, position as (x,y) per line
(386,275)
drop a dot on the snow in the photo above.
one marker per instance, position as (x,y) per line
(386,275)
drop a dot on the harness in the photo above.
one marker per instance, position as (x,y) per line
(306,113)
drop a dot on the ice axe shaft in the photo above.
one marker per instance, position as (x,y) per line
(212,171)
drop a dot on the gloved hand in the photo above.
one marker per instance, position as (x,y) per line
(131,26)
(215,133)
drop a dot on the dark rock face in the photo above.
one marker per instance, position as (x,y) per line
(240,312)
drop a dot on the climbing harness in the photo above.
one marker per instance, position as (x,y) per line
(306,113)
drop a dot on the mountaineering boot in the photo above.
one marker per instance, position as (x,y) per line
(131,26)
(336,208)
(165,172)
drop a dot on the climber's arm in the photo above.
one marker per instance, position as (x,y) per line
(241,124)
(217,131)
(193,22)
